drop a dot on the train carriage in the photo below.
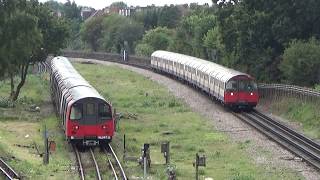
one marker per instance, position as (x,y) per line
(231,87)
(86,117)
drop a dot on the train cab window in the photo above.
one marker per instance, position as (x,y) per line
(247,85)
(104,111)
(90,109)
(76,112)
(232,85)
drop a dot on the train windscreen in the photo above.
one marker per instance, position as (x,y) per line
(76,112)
(247,85)
(241,85)
(104,112)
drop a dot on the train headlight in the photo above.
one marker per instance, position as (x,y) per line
(76,127)
(251,94)
(232,94)
(104,127)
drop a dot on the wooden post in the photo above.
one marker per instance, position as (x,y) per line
(46,147)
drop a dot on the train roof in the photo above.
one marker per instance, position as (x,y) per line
(76,81)
(215,70)
(77,86)
(82,92)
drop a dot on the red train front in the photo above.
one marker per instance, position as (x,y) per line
(89,121)
(241,92)
(86,117)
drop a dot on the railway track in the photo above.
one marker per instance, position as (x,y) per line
(81,167)
(115,164)
(112,160)
(8,171)
(292,140)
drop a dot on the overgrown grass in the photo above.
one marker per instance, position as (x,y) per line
(35,89)
(307,114)
(161,117)
(20,129)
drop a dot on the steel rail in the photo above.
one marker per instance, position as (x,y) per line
(309,142)
(113,169)
(80,168)
(8,171)
(117,162)
(284,138)
(95,164)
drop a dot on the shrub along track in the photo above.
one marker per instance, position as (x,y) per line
(223,121)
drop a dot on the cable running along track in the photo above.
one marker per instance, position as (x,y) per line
(292,140)
(8,171)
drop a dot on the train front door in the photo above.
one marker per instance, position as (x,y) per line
(90,116)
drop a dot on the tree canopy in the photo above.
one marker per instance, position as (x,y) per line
(29,33)
(160,38)
(248,35)
(111,33)
(118,4)
(301,62)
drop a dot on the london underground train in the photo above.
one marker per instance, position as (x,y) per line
(232,88)
(86,117)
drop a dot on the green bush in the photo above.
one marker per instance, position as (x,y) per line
(301,62)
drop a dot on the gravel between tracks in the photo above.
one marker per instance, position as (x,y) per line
(261,149)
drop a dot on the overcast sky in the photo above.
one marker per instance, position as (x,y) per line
(99,4)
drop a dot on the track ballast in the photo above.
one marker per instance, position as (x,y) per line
(292,140)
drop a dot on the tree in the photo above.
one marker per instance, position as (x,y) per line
(119,4)
(301,63)
(91,32)
(144,50)
(21,38)
(213,43)
(119,29)
(148,17)
(192,31)
(29,34)
(71,10)
(169,16)
(256,32)
(55,6)
(159,38)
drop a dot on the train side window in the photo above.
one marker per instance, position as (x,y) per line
(104,111)
(90,109)
(76,112)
